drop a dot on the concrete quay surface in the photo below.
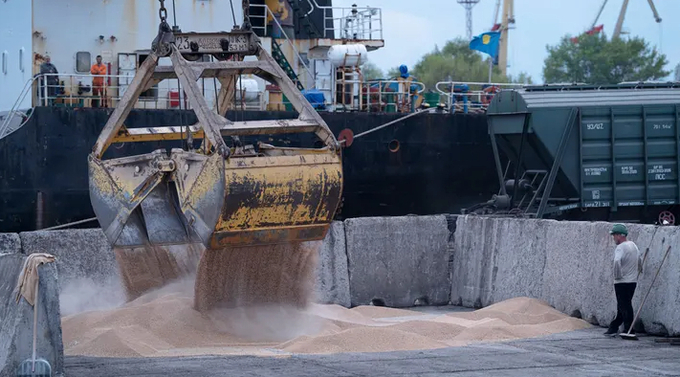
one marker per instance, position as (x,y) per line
(578,353)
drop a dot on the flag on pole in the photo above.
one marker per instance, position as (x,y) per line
(487,43)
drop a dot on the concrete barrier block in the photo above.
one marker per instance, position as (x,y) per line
(569,264)
(87,267)
(520,258)
(398,260)
(16,319)
(578,273)
(496,259)
(10,243)
(473,261)
(332,281)
(81,253)
(661,313)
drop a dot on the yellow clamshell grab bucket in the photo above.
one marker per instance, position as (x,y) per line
(216,195)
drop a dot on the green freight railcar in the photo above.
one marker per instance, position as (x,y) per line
(587,152)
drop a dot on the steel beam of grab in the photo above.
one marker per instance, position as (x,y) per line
(219,194)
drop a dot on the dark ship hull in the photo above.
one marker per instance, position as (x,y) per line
(427,164)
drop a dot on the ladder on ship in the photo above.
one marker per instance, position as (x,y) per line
(280,58)
(303,18)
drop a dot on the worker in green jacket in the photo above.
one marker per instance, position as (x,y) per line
(627,266)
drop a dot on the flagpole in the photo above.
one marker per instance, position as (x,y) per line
(490,68)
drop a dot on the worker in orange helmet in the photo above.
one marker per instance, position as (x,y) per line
(99,70)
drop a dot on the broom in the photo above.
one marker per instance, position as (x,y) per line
(35,367)
(628,335)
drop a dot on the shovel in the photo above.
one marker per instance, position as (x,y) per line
(628,335)
(35,367)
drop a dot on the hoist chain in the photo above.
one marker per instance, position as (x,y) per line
(161,45)
(163,13)
(245,5)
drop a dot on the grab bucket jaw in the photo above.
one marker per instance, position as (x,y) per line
(243,201)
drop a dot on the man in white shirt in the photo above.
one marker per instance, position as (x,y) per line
(627,266)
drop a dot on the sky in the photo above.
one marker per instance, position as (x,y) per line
(413,28)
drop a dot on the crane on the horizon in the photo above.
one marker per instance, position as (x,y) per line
(468,5)
(507,19)
(619,23)
(622,15)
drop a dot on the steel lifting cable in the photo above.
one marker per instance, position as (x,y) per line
(217,97)
(163,13)
(391,123)
(243,99)
(69,224)
(174,14)
(233,15)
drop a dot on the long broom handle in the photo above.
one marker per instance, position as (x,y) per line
(35,322)
(649,290)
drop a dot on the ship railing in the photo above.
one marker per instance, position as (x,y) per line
(76,90)
(470,97)
(16,117)
(308,82)
(352,23)
(391,96)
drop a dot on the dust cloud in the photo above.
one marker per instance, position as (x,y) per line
(85,294)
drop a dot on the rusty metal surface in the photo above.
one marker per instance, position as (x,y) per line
(201,190)
(268,236)
(118,186)
(257,127)
(162,219)
(218,69)
(286,193)
(234,42)
(209,121)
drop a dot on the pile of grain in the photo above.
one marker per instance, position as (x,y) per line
(164,323)
(255,300)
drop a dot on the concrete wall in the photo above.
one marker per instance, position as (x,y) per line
(567,264)
(87,266)
(10,243)
(470,261)
(81,253)
(332,283)
(16,319)
(398,260)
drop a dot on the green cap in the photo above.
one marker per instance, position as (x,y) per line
(619,229)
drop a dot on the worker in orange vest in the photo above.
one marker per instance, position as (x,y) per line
(99,70)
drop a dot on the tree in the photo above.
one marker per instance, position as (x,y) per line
(393,72)
(596,60)
(677,72)
(455,62)
(371,72)
(522,78)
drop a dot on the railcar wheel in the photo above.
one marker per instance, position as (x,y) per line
(666,218)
